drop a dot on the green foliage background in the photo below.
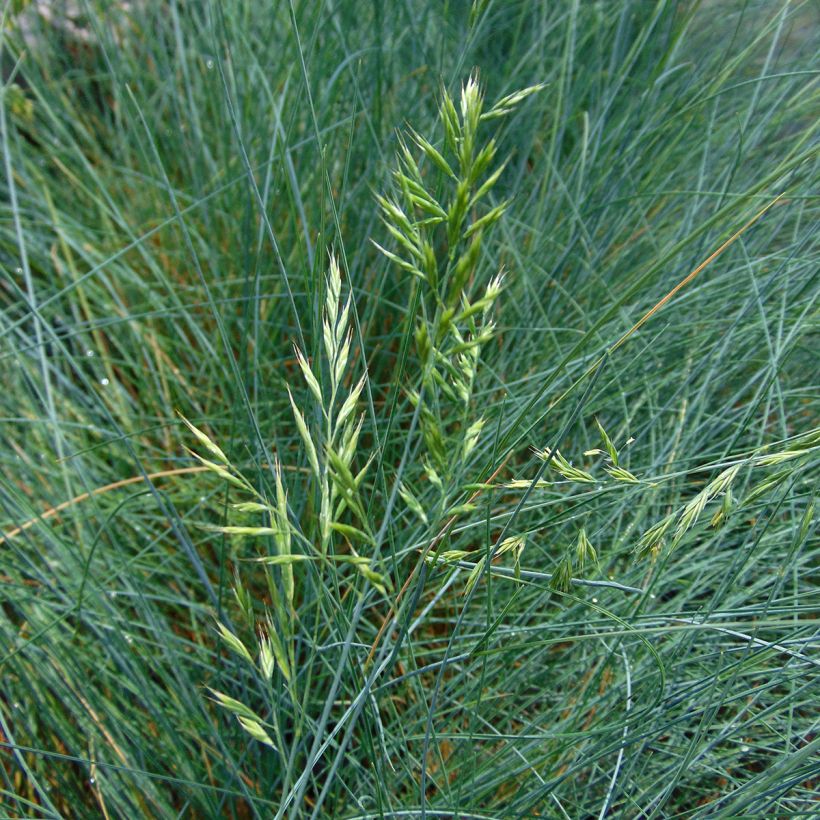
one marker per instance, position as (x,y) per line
(174,177)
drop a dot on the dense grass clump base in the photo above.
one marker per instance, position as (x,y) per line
(409,410)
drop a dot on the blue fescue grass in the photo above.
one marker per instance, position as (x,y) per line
(176,178)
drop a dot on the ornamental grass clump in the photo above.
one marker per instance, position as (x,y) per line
(526,523)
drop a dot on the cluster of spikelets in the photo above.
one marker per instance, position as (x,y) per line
(330,447)
(675,526)
(671,530)
(439,214)
(577,557)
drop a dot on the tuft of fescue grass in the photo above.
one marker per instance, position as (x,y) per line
(410,411)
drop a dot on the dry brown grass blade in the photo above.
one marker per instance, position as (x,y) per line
(441,534)
(660,304)
(687,279)
(107,488)
(50,513)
